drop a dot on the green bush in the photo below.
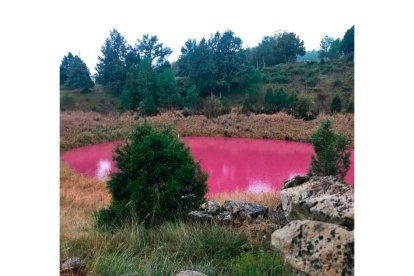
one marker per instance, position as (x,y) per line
(310,81)
(147,106)
(331,157)
(336,105)
(157,179)
(66,102)
(213,107)
(337,83)
(261,263)
(247,105)
(280,78)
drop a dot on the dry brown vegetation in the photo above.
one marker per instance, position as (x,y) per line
(271,199)
(79,197)
(78,128)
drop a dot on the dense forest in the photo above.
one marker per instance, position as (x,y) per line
(216,74)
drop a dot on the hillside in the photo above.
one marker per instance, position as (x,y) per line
(318,83)
(315,82)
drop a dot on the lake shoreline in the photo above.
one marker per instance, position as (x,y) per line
(79,128)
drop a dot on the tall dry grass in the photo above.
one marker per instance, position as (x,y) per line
(270,199)
(79,197)
(78,128)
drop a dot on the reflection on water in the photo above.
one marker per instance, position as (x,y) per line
(259,186)
(254,165)
(104,169)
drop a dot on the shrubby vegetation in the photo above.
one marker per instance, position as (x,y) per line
(141,78)
(331,155)
(157,179)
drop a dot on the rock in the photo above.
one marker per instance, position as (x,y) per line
(277,215)
(211,207)
(72,266)
(224,216)
(244,209)
(190,273)
(295,181)
(200,216)
(316,248)
(322,199)
(71,263)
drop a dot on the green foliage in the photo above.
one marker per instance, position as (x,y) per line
(192,97)
(261,263)
(175,246)
(347,44)
(324,47)
(310,81)
(280,48)
(66,102)
(350,107)
(337,83)
(331,157)
(157,179)
(308,56)
(302,108)
(334,51)
(212,107)
(269,101)
(74,74)
(218,64)
(111,68)
(247,105)
(281,100)
(147,106)
(167,89)
(141,83)
(276,101)
(336,105)
(148,47)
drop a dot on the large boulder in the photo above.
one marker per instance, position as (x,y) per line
(322,199)
(316,248)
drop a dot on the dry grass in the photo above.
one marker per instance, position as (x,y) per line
(271,199)
(80,128)
(79,197)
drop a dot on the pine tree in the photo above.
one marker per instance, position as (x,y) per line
(331,157)
(141,82)
(74,74)
(157,179)
(111,68)
(167,91)
(192,97)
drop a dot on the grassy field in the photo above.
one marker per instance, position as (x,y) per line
(78,128)
(164,250)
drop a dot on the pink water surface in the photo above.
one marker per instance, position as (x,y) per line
(232,164)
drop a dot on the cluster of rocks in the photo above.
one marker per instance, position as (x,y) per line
(318,238)
(238,212)
(313,225)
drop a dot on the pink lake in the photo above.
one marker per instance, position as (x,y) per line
(232,164)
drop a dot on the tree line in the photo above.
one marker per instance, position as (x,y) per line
(144,79)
